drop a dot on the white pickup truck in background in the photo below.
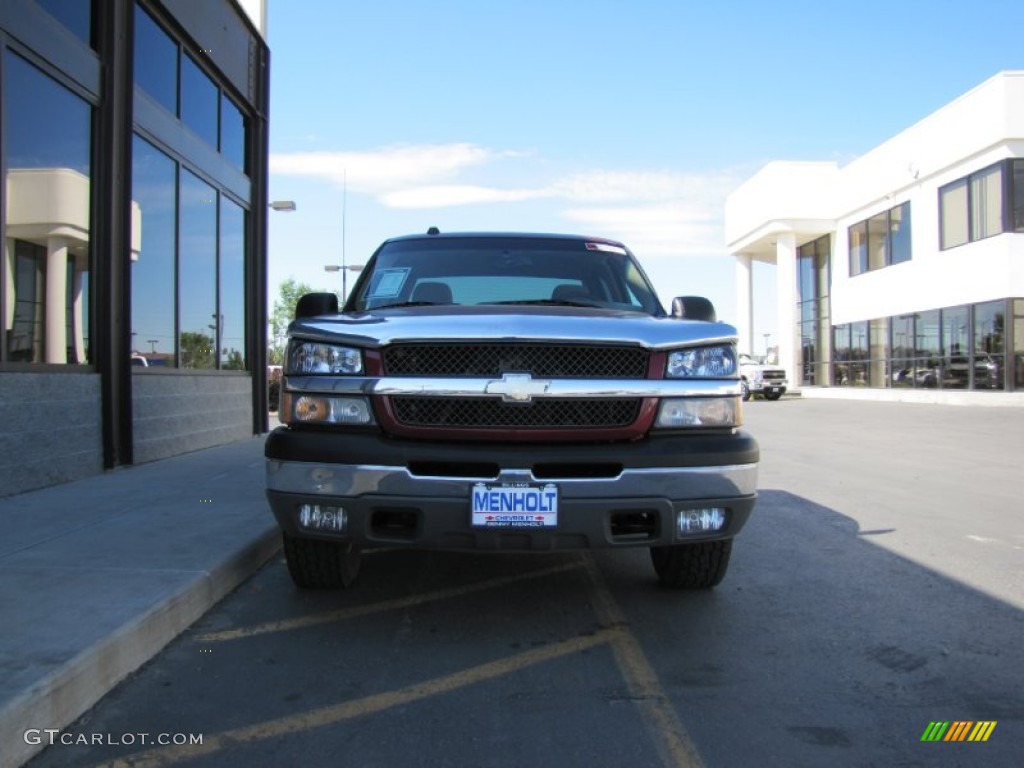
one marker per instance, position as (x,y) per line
(759,378)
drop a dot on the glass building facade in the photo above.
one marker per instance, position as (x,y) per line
(133,148)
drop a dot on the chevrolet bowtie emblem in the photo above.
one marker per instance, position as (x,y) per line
(517,387)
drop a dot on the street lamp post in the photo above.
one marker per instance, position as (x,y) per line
(344,269)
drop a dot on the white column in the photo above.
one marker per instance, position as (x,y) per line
(55,317)
(745,303)
(785,291)
(8,283)
(81,263)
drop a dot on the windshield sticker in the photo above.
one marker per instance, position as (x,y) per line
(387,283)
(606,247)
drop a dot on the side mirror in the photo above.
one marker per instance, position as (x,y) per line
(693,308)
(313,304)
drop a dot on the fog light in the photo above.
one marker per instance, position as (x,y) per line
(321,517)
(701,520)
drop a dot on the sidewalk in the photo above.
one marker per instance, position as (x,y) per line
(96,576)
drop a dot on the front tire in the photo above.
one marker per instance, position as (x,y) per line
(701,565)
(319,564)
(744,390)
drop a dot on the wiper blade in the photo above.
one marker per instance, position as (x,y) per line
(551,302)
(408,304)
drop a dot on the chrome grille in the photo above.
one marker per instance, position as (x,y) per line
(487,413)
(549,360)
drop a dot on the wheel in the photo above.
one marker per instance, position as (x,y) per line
(701,565)
(744,390)
(318,564)
(772,395)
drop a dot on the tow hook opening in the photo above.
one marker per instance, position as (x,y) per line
(634,525)
(394,524)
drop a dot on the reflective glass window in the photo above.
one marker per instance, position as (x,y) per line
(76,15)
(858,236)
(953,214)
(154,182)
(232,132)
(879,352)
(987,203)
(899,234)
(860,341)
(1018,196)
(197,273)
(47,144)
(232,286)
(25,329)
(903,345)
(1018,344)
(878,236)
(823,252)
(928,350)
(199,100)
(156,61)
(956,345)
(989,344)
(805,272)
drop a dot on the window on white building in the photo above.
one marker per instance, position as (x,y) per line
(986,203)
(880,241)
(953,214)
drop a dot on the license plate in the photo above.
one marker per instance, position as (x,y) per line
(514,506)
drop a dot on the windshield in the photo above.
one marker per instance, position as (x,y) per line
(504,270)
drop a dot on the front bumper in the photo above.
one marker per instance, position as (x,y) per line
(418,494)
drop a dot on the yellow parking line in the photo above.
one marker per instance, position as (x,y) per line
(388,605)
(676,747)
(366,706)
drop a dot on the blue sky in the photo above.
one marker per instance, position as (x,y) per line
(631,120)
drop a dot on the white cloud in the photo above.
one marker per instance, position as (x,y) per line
(657,212)
(668,228)
(445,196)
(385,169)
(610,186)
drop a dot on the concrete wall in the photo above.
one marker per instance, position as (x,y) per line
(49,429)
(176,413)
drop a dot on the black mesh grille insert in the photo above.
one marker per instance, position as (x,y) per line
(487,413)
(552,360)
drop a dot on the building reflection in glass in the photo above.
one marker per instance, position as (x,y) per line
(46,260)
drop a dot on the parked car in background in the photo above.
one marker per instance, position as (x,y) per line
(759,378)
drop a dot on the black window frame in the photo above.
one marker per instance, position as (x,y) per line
(1011,214)
(866,230)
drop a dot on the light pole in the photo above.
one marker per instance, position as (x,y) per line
(344,269)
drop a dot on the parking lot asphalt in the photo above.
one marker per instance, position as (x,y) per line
(99,575)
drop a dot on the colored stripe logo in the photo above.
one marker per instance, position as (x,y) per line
(958,730)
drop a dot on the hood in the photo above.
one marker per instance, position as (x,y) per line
(588,325)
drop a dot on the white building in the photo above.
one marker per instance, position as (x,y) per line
(903,270)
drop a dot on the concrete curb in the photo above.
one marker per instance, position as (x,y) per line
(68,692)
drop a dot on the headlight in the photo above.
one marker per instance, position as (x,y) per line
(696,412)
(313,357)
(707,362)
